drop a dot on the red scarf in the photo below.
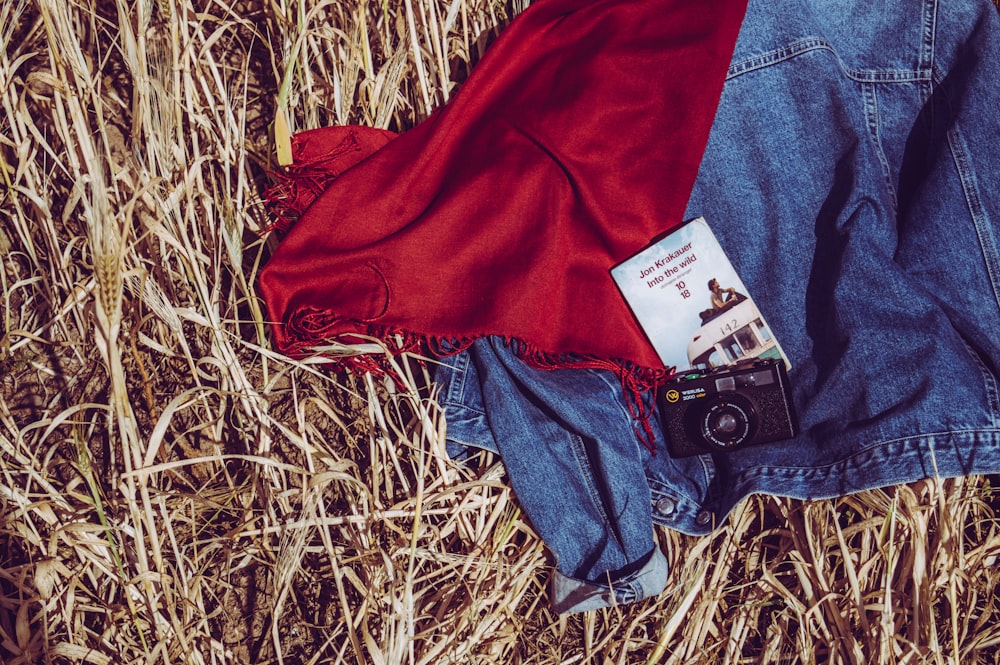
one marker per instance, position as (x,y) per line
(573,143)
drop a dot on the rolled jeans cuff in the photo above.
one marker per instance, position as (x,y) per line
(573,595)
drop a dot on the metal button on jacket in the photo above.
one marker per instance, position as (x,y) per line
(666,506)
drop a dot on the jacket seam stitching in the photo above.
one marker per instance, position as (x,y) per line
(977,212)
(809,44)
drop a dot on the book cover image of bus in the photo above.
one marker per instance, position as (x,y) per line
(692,305)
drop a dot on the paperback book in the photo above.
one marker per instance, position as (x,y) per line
(691,303)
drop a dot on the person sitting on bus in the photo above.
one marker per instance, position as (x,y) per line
(723,298)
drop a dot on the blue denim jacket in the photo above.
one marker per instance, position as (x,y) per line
(851,178)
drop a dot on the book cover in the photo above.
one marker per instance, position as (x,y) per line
(691,303)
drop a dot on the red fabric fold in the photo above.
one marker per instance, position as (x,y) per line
(573,143)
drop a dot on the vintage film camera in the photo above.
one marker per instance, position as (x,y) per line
(727,408)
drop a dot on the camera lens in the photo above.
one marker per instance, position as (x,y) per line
(727,423)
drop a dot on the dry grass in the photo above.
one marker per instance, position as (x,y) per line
(173,491)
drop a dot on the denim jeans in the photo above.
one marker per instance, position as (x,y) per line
(851,178)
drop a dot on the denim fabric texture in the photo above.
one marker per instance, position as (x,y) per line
(850,176)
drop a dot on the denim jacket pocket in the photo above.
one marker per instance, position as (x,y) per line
(464,410)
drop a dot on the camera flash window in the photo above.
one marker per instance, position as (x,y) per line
(725,384)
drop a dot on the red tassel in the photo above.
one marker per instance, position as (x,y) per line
(315,165)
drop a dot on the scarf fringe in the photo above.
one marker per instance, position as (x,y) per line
(637,382)
(297,185)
